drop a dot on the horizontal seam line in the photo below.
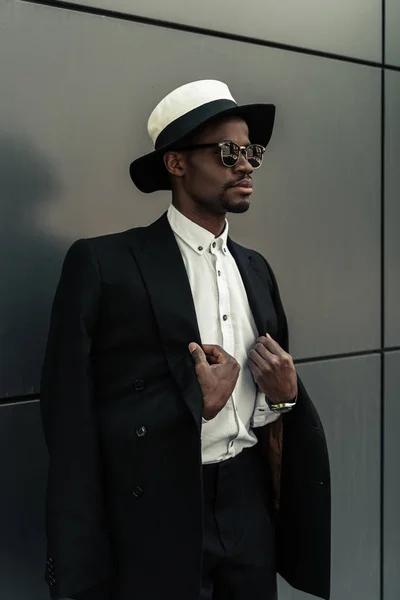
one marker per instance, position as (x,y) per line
(19,399)
(313,359)
(209,32)
(391,68)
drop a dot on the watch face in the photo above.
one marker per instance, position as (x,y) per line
(281,409)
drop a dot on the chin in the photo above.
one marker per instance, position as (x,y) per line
(240,205)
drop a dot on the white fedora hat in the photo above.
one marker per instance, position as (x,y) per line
(181,113)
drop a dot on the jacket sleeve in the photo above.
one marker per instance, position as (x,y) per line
(98,592)
(78,547)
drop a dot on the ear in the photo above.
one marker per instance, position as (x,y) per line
(174,163)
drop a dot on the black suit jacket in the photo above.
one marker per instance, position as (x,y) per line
(121,411)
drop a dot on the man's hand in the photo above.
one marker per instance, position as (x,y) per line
(217,373)
(273,370)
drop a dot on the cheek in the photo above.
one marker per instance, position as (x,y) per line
(208,178)
(216,178)
(205,182)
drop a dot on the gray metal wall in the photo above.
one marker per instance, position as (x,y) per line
(77,87)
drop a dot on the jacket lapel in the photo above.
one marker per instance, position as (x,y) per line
(259,295)
(256,288)
(164,275)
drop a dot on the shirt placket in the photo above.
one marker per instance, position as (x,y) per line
(226,324)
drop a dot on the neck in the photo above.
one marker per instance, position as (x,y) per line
(214,223)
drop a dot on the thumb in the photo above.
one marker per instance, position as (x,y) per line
(197,353)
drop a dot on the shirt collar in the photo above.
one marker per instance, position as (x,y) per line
(198,238)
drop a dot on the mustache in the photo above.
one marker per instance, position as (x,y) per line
(233,183)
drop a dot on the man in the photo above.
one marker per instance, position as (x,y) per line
(186,458)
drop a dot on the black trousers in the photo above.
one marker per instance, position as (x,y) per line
(239,557)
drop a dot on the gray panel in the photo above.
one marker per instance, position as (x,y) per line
(73,118)
(392,10)
(23,466)
(346,393)
(349,27)
(391,478)
(392,210)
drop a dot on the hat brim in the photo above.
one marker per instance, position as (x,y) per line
(148,172)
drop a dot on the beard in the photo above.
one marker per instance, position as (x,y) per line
(238,206)
(222,203)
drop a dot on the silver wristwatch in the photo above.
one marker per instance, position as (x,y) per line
(284,407)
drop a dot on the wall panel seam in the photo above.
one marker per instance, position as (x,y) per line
(382,282)
(6,400)
(60,4)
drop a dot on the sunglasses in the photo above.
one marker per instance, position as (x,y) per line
(230,152)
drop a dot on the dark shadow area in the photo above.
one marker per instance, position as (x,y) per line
(30,263)
(23,466)
(29,269)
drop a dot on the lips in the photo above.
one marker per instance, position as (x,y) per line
(244,183)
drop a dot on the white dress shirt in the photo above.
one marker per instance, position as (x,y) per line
(224,318)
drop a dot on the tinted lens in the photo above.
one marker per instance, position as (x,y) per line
(255,155)
(229,153)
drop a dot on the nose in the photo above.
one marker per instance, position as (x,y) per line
(243,165)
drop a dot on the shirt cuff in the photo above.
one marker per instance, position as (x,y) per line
(262,414)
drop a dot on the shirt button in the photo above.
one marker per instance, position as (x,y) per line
(224,249)
(137,491)
(225,317)
(141,431)
(139,385)
(219,273)
(214,244)
(200,248)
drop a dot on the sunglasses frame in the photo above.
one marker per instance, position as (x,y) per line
(243,150)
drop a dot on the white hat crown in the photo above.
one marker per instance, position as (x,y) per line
(184,99)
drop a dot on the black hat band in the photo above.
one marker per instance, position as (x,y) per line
(190,120)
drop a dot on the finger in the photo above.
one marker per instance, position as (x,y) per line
(255,371)
(271,345)
(197,353)
(211,359)
(263,352)
(257,360)
(216,353)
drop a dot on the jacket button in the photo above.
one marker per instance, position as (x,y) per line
(137,491)
(139,385)
(141,431)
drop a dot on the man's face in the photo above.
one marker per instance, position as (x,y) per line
(211,185)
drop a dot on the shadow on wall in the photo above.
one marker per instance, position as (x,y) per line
(29,265)
(23,468)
